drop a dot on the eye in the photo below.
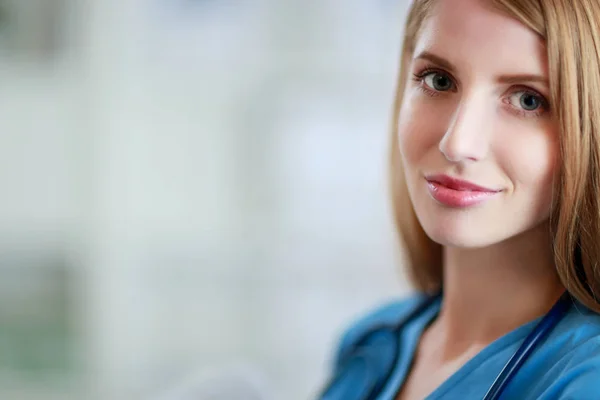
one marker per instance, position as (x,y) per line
(438,81)
(527,100)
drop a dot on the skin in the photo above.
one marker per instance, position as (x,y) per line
(472,110)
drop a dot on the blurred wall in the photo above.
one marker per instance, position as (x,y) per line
(213,175)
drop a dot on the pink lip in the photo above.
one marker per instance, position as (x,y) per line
(454,192)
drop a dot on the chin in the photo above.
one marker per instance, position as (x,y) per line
(457,240)
(460,230)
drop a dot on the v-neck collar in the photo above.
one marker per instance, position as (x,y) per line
(410,337)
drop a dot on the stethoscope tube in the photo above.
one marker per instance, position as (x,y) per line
(534,338)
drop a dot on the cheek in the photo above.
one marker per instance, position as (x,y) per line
(531,160)
(419,129)
(407,125)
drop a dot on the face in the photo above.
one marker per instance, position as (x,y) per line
(478,139)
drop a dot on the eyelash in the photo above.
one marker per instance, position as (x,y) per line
(544,108)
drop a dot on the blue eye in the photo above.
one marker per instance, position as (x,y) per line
(529,102)
(438,81)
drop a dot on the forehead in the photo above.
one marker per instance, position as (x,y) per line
(472,34)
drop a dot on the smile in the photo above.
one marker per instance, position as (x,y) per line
(458,193)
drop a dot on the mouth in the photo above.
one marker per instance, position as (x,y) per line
(459,184)
(457,193)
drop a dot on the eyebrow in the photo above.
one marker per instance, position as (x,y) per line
(507,79)
(442,62)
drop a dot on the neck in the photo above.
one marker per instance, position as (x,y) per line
(491,291)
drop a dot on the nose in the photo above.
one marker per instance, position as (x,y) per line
(467,136)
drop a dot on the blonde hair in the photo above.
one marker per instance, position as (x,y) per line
(572,34)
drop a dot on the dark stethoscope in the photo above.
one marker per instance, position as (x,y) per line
(373,358)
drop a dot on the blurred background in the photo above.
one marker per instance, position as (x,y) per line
(194,194)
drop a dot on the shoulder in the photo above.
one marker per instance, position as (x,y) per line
(385,313)
(580,375)
(577,371)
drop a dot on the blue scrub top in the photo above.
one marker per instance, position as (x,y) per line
(565,366)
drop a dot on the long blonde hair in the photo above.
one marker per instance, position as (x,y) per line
(572,34)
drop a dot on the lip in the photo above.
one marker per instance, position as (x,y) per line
(458,193)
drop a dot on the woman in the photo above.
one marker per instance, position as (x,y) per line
(496,182)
